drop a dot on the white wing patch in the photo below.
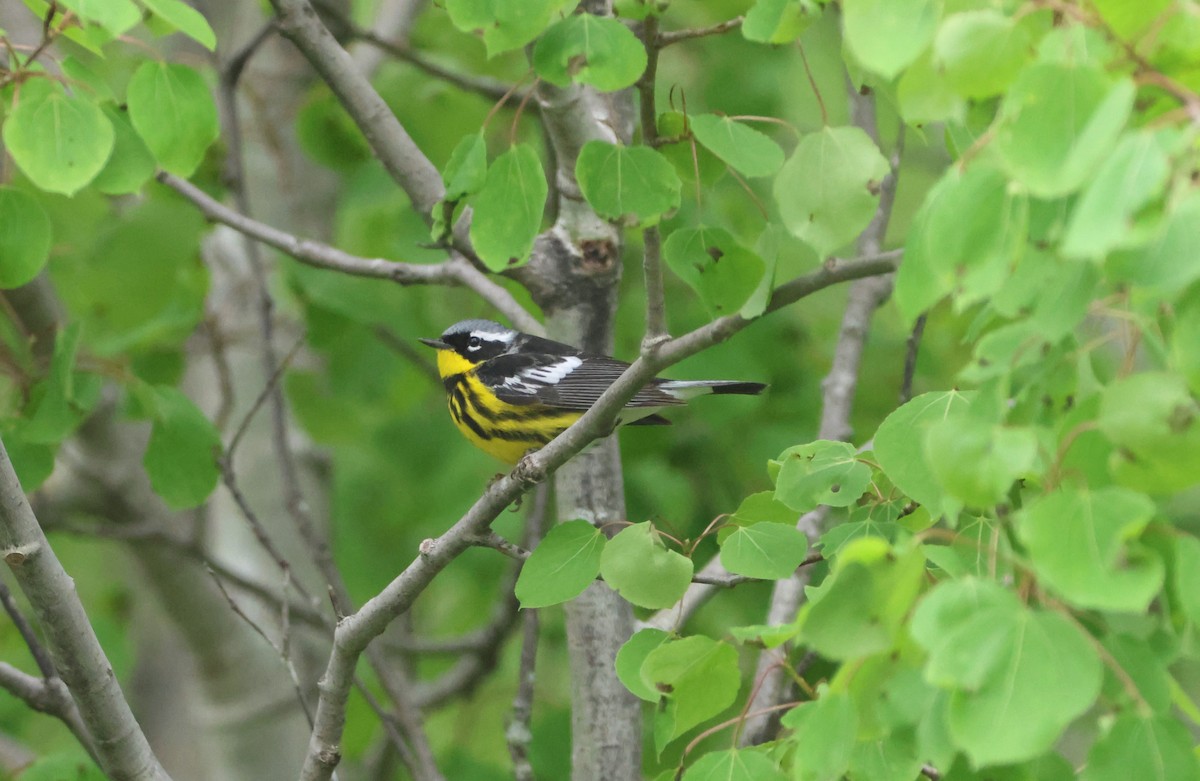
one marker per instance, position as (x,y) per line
(551,374)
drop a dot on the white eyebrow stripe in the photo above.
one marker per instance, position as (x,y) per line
(554,373)
(492,336)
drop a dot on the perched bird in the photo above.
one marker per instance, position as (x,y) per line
(511,392)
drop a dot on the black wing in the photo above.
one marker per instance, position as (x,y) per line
(566,381)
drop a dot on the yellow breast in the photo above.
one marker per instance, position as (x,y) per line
(504,431)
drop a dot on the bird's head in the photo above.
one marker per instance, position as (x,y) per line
(469,343)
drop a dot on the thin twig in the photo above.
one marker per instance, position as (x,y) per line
(400,155)
(676,36)
(50,696)
(401,347)
(39,653)
(455,271)
(268,391)
(656,312)
(519,734)
(910,357)
(280,648)
(480,85)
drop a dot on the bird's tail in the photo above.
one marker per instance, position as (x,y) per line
(686,389)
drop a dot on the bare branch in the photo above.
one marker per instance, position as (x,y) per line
(121,746)
(518,734)
(490,88)
(676,36)
(910,358)
(455,271)
(36,649)
(656,309)
(48,695)
(387,137)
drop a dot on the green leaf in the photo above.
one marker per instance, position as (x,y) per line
(1058,123)
(977,463)
(116,16)
(588,49)
(1187,576)
(1148,749)
(182,17)
(743,148)
(561,566)
(860,608)
(925,96)
(466,171)
(173,112)
(764,635)
(1018,677)
(886,35)
(965,238)
(25,238)
(84,78)
(632,656)
(1128,20)
(1155,423)
(642,570)
(635,185)
(824,733)
(764,550)
(722,272)
(698,677)
(32,462)
(1167,262)
(508,210)
(61,142)
(821,473)
(762,508)
(779,21)
(131,164)
(981,52)
(733,765)
(181,457)
(828,189)
(893,757)
(62,400)
(1143,665)
(1078,542)
(900,444)
(1129,179)
(505,25)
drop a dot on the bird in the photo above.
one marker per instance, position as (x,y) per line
(510,392)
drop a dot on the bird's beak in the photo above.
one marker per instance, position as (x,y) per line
(436,344)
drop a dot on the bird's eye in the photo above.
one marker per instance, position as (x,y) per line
(474,343)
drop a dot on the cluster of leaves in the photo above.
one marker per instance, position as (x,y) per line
(1010,563)
(132,286)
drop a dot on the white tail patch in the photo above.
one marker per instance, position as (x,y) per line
(690,389)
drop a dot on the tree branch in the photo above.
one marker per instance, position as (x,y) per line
(656,308)
(48,695)
(676,36)
(387,137)
(122,749)
(455,271)
(356,631)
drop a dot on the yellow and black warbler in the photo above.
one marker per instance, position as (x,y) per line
(510,392)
